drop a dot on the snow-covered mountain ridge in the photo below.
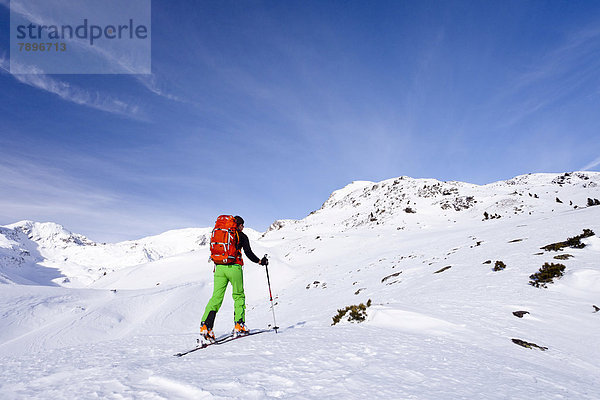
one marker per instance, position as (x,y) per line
(407,202)
(28,247)
(32,252)
(443,322)
(47,253)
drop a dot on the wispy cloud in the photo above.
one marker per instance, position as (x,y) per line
(555,74)
(34,190)
(151,82)
(19,176)
(74,94)
(592,165)
(39,15)
(571,52)
(121,63)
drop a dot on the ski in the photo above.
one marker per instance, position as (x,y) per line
(221,340)
(202,345)
(252,332)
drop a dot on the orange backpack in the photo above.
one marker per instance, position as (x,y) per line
(224,240)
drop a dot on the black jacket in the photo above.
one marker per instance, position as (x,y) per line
(244,243)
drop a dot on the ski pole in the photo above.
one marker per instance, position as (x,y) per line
(270,294)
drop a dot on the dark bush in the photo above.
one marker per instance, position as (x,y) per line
(573,242)
(358,313)
(546,274)
(499,266)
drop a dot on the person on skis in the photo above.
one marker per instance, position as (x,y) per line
(228,268)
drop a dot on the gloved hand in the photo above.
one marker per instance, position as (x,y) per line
(264,261)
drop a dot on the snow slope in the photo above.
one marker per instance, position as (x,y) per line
(431,332)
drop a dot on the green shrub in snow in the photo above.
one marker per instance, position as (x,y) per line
(546,274)
(356,313)
(574,242)
(499,266)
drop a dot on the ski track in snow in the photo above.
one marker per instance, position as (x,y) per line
(439,327)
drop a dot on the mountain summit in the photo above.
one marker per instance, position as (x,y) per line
(408,203)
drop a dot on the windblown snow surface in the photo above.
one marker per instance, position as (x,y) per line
(81,320)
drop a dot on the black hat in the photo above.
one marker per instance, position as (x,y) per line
(239,220)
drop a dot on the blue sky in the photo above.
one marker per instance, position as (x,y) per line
(264,108)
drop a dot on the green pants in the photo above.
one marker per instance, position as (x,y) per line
(223,275)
